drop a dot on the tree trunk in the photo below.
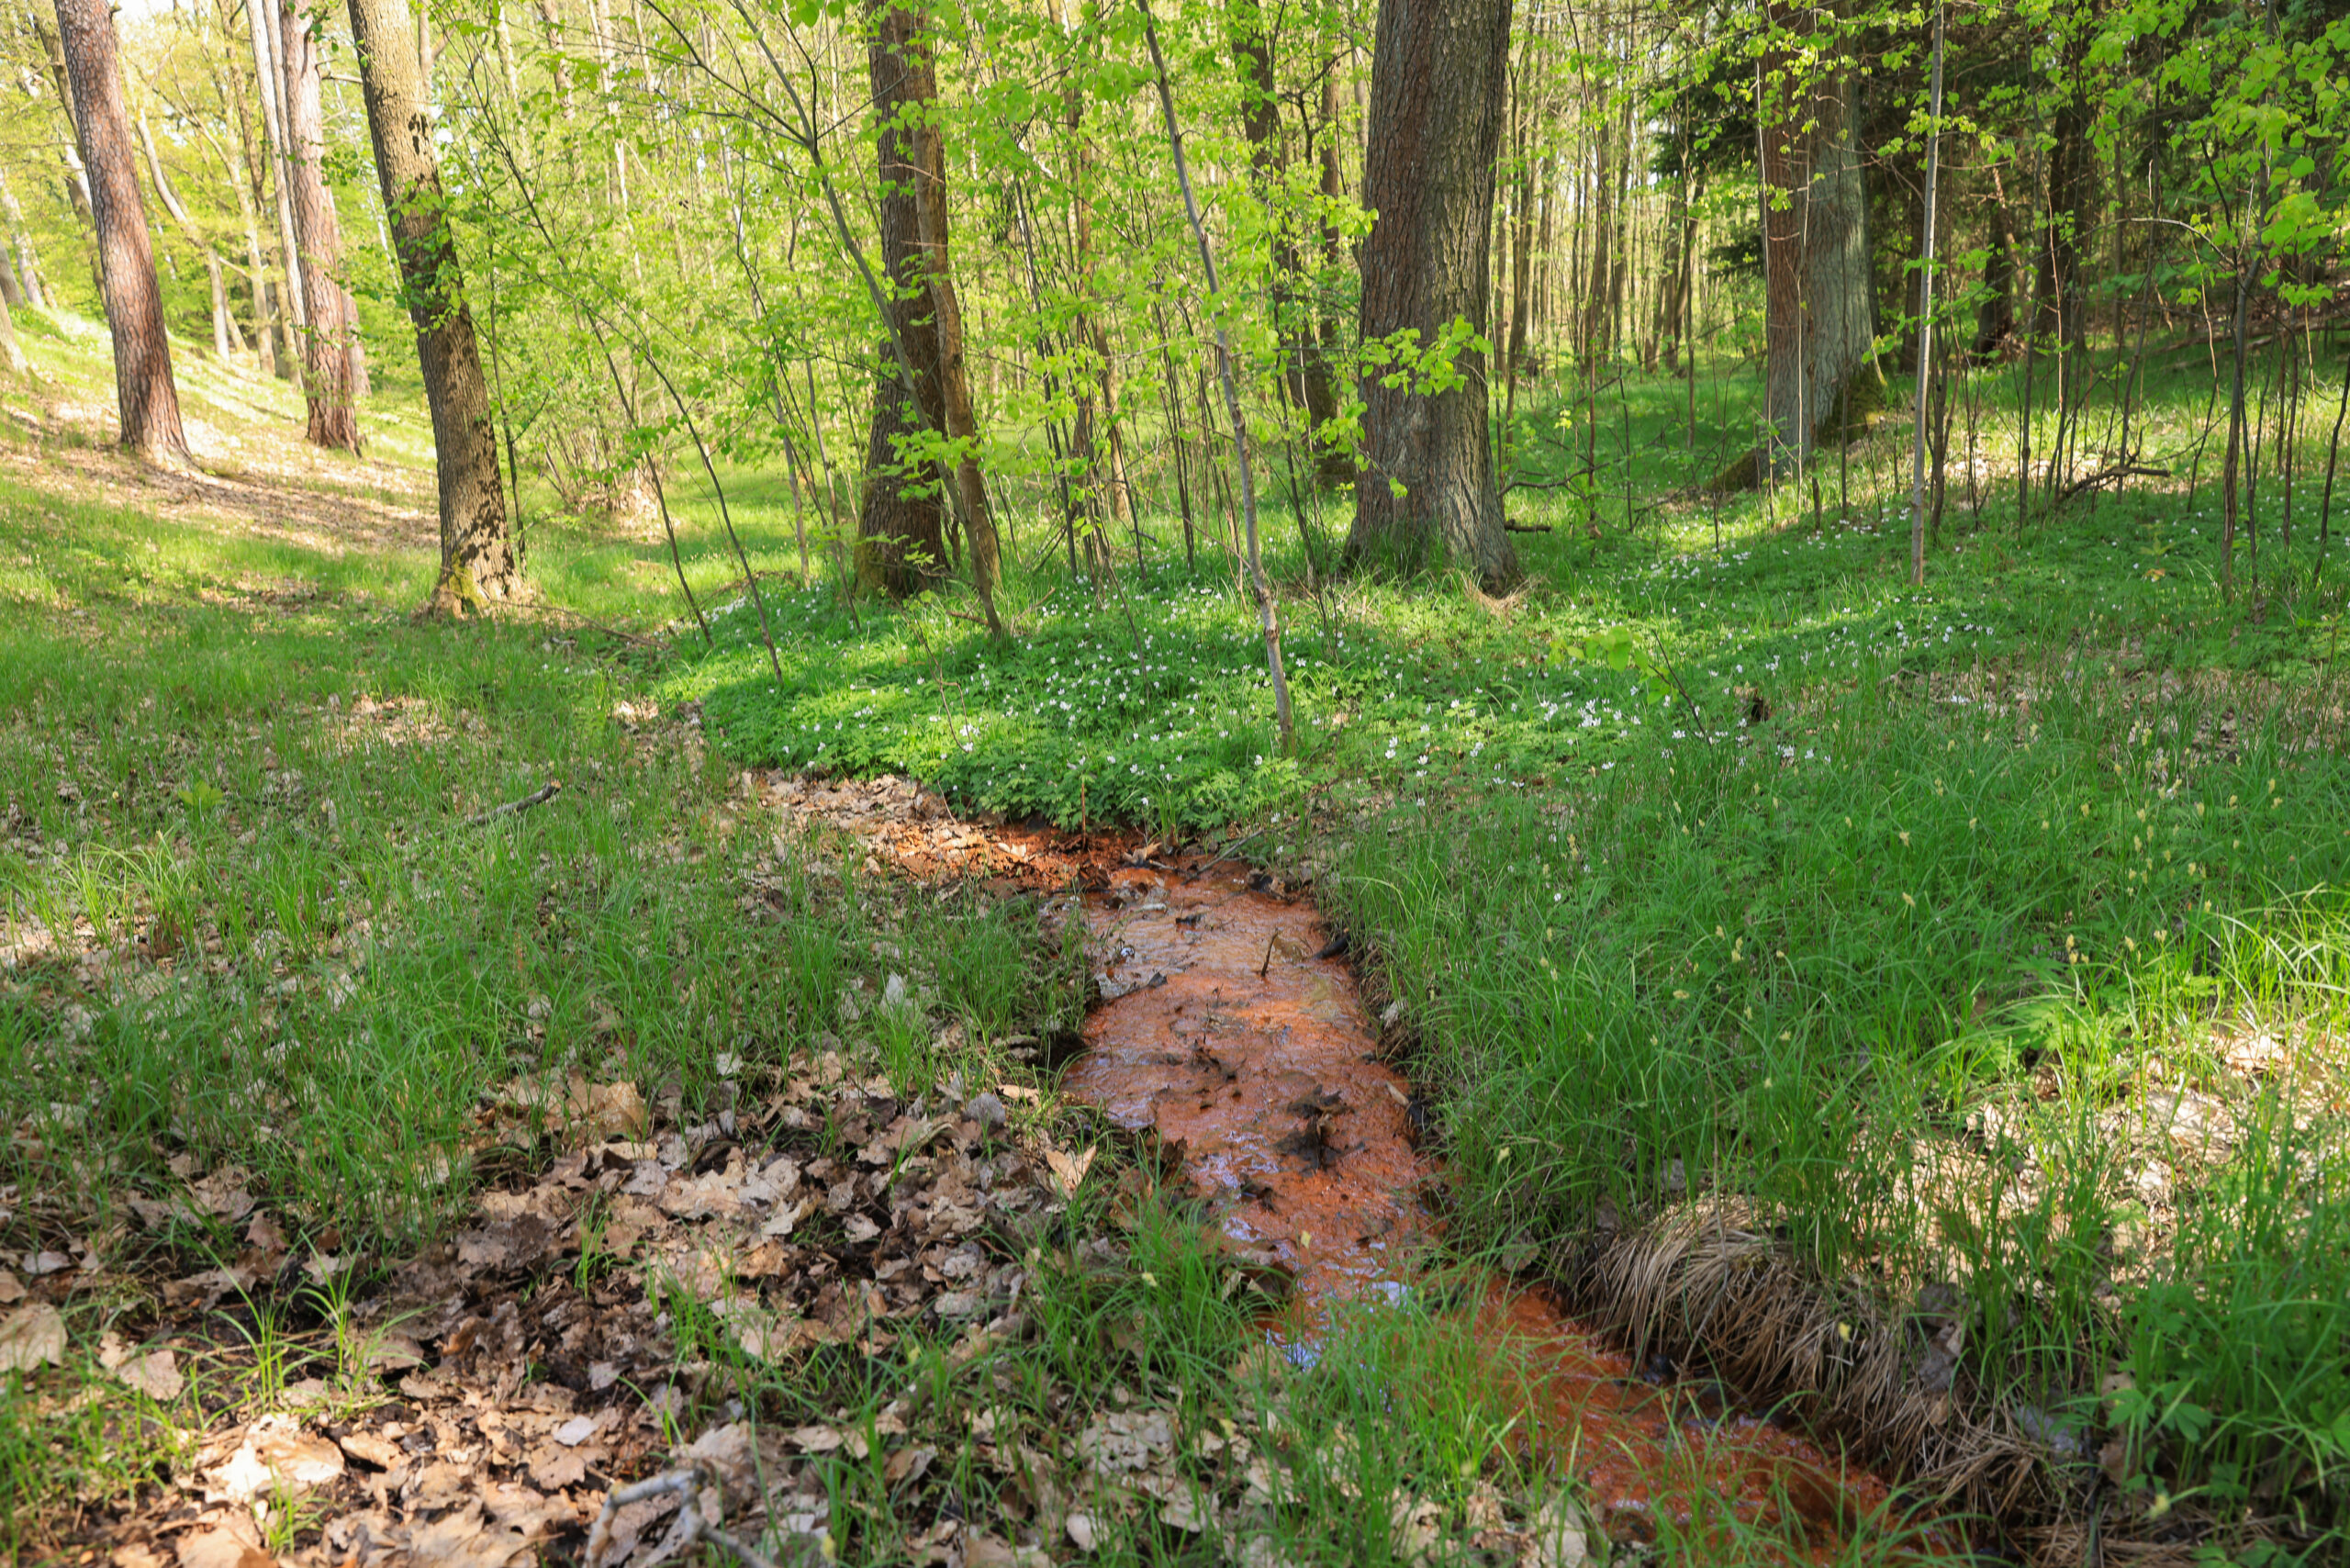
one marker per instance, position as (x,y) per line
(1601,281)
(269,86)
(1437,82)
(77,175)
(1304,371)
(28,260)
(256,270)
(954,380)
(902,530)
(12,352)
(2062,317)
(1995,318)
(148,397)
(1099,448)
(479,561)
(1819,311)
(326,357)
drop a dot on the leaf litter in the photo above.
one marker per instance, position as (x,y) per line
(492,1399)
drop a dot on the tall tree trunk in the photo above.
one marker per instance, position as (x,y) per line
(1926,317)
(1995,317)
(269,86)
(149,398)
(2062,316)
(901,529)
(953,378)
(1601,282)
(256,270)
(1819,299)
(1437,85)
(479,560)
(1305,371)
(27,259)
(77,173)
(1097,445)
(326,358)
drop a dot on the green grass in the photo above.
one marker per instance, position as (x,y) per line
(1890,915)
(1899,918)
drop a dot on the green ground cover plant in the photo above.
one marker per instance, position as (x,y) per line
(1980,942)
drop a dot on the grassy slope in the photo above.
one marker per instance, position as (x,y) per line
(1984,941)
(249,934)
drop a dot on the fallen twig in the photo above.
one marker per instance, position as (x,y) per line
(538,796)
(692,1525)
(2113,475)
(1509,527)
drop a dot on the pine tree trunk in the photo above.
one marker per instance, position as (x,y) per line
(326,358)
(479,561)
(148,397)
(901,531)
(1437,82)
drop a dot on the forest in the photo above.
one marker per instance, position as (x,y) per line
(1029,782)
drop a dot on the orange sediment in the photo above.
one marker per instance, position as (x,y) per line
(1228,1027)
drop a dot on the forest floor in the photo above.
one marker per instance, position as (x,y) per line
(1922,1008)
(389,1182)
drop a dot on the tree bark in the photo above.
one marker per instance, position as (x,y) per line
(479,561)
(269,87)
(1818,289)
(148,397)
(256,269)
(1437,82)
(901,529)
(1817,346)
(326,348)
(28,260)
(1305,371)
(954,380)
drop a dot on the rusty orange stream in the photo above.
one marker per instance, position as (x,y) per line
(1224,1028)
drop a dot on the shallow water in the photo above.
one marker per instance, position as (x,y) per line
(1227,1026)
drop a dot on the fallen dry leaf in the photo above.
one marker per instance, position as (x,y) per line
(221,1548)
(277,1454)
(12,1289)
(1125,1440)
(1068,1170)
(155,1374)
(368,1447)
(33,1335)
